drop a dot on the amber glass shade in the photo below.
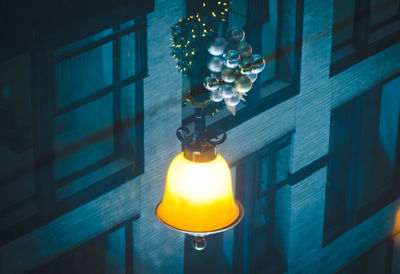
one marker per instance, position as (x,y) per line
(198,197)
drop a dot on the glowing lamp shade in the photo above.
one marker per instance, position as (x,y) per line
(198,197)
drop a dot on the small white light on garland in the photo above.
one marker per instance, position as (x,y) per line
(195,32)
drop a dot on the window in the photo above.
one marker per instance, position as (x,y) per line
(109,253)
(362,28)
(274,36)
(363,169)
(17,183)
(251,247)
(379,259)
(87,131)
(97,82)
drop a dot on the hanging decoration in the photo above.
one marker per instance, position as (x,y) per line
(234,68)
(232,65)
(195,32)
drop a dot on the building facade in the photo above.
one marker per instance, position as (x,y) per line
(314,158)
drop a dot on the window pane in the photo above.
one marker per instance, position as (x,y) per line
(378,141)
(282,164)
(338,180)
(83,74)
(377,259)
(266,179)
(389,120)
(382,10)
(115,254)
(374,261)
(126,133)
(83,136)
(82,43)
(127,56)
(228,246)
(262,212)
(342,29)
(238,14)
(269,43)
(229,235)
(16,152)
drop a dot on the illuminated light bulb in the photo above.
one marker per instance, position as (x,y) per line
(198,197)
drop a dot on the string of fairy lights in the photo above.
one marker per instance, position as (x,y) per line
(196,32)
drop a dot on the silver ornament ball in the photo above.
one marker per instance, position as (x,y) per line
(235,34)
(227,91)
(231,58)
(211,82)
(215,64)
(215,96)
(233,101)
(199,243)
(218,46)
(245,67)
(253,77)
(258,63)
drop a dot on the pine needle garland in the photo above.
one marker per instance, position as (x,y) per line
(195,32)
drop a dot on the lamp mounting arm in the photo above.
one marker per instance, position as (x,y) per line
(201,135)
(200,145)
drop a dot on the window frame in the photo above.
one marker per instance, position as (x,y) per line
(248,177)
(129,246)
(355,216)
(45,110)
(362,49)
(362,258)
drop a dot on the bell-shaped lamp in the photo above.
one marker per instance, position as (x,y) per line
(198,197)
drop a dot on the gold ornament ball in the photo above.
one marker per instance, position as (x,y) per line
(244,50)
(228,75)
(243,84)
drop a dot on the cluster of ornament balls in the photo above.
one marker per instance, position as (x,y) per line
(234,68)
